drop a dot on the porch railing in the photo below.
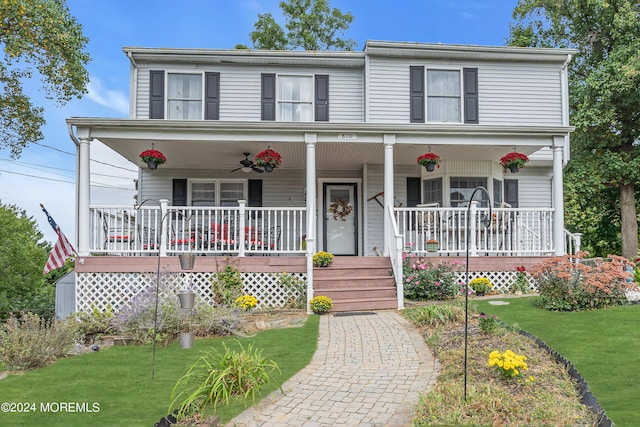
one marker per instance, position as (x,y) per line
(167,230)
(448,231)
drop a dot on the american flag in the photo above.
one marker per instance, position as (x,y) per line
(61,250)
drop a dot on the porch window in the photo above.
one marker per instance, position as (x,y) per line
(216,193)
(443,96)
(497,192)
(432,191)
(184,96)
(461,189)
(295,98)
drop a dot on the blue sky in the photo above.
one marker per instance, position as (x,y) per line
(112,24)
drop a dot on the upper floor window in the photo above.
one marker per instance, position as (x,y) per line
(295,98)
(443,96)
(184,96)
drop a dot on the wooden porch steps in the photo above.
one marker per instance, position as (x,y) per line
(357,283)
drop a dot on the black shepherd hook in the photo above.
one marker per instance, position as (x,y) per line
(486,222)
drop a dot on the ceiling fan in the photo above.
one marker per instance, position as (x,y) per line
(247,165)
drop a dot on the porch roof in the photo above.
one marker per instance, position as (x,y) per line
(220,144)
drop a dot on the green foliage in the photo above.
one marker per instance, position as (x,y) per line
(604,105)
(217,376)
(38,37)
(488,324)
(564,284)
(32,342)
(322,259)
(226,285)
(435,315)
(94,321)
(424,280)
(310,24)
(23,254)
(321,304)
(296,289)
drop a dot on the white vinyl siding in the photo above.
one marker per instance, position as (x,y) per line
(240,89)
(511,94)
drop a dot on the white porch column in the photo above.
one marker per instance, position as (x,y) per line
(310,140)
(164,213)
(389,140)
(558,199)
(84,196)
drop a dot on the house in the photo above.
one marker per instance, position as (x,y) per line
(349,127)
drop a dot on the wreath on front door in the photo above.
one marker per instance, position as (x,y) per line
(340,209)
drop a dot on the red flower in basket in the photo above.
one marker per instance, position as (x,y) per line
(514,161)
(429,161)
(153,156)
(268,159)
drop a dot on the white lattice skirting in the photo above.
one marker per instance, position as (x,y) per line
(102,291)
(501,280)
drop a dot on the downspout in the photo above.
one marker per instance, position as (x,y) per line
(564,87)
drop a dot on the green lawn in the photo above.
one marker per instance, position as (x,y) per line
(602,344)
(118,379)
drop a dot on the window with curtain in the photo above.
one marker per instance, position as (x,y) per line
(432,191)
(443,96)
(184,96)
(217,193)
(295,98)
(461,189)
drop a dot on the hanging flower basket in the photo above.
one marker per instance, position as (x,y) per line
(429,161)
(268,159)
(514,161)
(152,158)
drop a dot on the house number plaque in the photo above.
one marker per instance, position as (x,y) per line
(347,136)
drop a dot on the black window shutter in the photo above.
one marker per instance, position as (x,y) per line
(416,93)
(212,96)
(255,193)
(413,192)
(268,96)
(156,94)
(471,95)
(322,98)
(511,192)
(179,192)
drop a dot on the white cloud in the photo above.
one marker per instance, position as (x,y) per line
(112,99)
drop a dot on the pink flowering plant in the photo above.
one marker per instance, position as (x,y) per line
(424,280)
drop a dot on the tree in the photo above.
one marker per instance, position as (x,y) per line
(311,25)
(604,82)
(37,36)
(23,253)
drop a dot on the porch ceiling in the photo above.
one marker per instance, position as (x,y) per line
(329,156)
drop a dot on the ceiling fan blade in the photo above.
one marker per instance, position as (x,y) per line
(236,169)
(256,169)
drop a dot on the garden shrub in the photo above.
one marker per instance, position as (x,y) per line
(136,320)
(577,284)
(321,304)
(322,259)
(424,280)
(95,321)
(226,285)
(33,342)
(296,289)
(217,376)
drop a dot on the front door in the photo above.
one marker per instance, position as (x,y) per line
(340,219)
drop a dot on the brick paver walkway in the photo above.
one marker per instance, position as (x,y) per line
(367,371)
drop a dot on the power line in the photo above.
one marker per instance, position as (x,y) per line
(114,187)
(72,154)
(62,169)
